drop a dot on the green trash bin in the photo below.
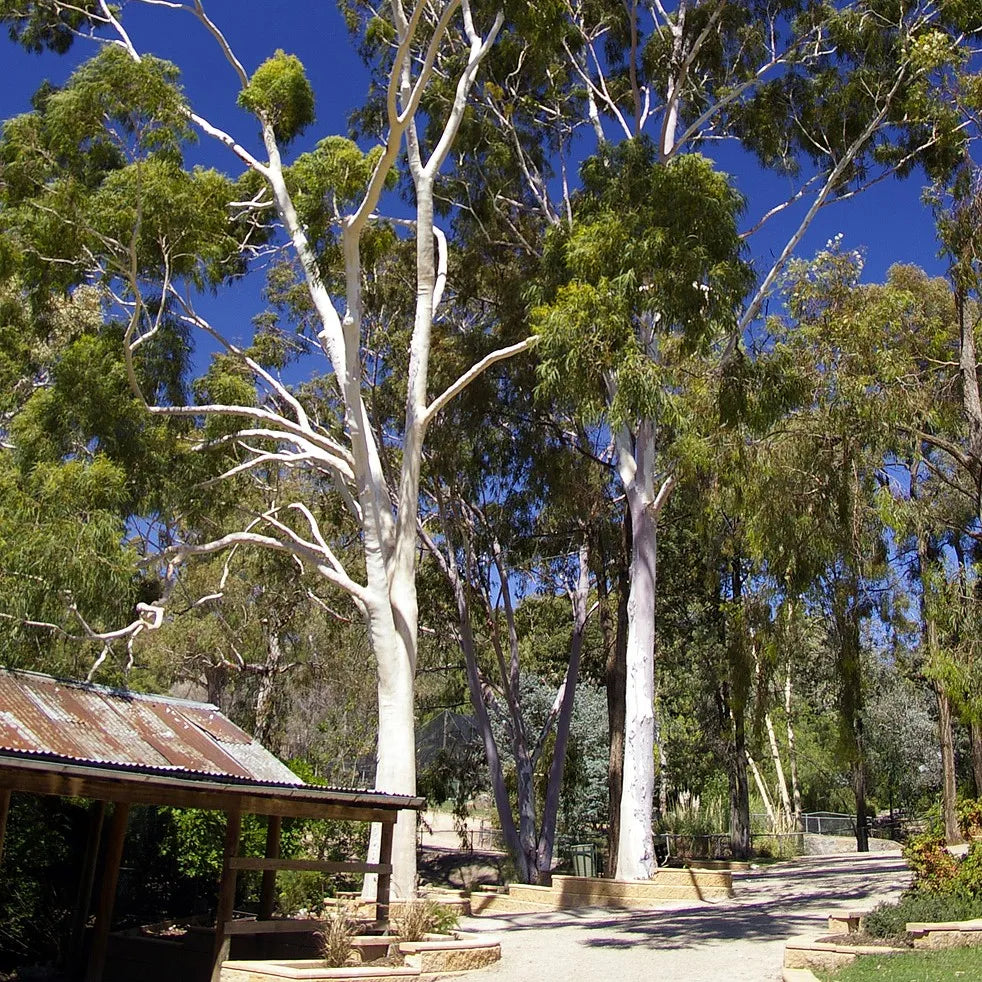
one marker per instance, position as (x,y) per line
(584,859)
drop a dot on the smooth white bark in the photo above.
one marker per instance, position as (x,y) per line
(636,851)
(387,516)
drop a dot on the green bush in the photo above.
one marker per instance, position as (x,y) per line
(39,878)
(968,879)
(933,867)
(944,888)
(969,811)
(891,920)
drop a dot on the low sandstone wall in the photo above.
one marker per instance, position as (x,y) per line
(568,892)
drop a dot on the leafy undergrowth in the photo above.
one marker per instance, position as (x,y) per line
(891,920)
(949,965)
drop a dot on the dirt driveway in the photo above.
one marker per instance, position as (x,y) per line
(738,940)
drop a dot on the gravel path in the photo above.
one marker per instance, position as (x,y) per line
(738,940)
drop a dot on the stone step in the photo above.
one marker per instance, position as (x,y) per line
(503,903)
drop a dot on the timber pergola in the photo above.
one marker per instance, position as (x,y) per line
(125,785)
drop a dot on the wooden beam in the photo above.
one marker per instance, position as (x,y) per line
(86,882)
(80,781)
(4,812)
(309,865)
(226,894)
(69,781)
(267,892)
(384,879)
(107,892)
(279,926)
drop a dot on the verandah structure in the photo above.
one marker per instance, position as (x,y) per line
(123,748)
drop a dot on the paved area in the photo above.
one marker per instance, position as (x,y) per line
(738,940)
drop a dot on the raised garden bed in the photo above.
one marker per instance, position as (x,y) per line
(825,955)
(436,955)
(846,941)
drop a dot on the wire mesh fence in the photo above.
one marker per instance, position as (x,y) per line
(828,823)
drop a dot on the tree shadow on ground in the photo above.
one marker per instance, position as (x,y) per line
(770,905)
(461,869)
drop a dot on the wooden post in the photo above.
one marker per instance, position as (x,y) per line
(384,879)
(107,891)
(4,811)
(267,892)
(226,893)
(83,900)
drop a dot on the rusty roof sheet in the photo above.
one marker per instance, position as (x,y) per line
(79,721)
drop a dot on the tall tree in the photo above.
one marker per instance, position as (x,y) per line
(836,96)
(93,186)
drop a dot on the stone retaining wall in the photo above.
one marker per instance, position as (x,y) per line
(586,891)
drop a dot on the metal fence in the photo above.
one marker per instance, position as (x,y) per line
(828,823)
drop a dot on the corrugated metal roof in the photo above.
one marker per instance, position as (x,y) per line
(79,721)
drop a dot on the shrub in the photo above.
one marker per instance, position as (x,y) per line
(417,918)
(891,920)
(968,878)
(934,868)
(969,812)
(39,878)
(336,937)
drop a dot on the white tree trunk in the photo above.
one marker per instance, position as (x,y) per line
(764,794)
(782,784)
(792,752)
(636,850)
(396,771)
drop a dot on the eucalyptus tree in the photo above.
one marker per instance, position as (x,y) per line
(935,383)
(873,359)
(94,188)
(918,393)
(81,465)
(832,96)
(505,521)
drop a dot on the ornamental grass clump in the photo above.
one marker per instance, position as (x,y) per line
(417,918)
(336,937)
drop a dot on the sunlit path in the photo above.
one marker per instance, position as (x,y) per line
(741,940)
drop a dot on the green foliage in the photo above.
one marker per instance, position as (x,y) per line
(583,796)
(43,846)
(690,815)
(890,920)
(280,94)
(901,737)
(648,275)
(969,812)
(195,841)
(456,774)
(40,26)
(934,868)
(180,218)
(113,104)
(192,841)
(583,799)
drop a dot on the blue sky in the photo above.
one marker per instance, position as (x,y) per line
(888,222)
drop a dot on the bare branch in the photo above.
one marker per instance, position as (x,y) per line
(472,373)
